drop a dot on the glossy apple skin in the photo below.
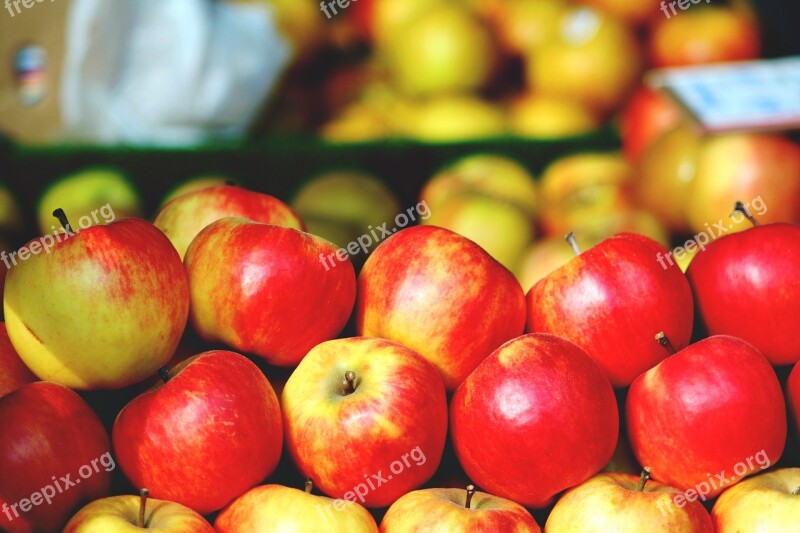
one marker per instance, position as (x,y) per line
(648,115)
(703,411)
(747,285)
(764,503)
(441,295)
(218,432)
(612,300)
(13,372)
(48,430)
(182,218)
(277,509)
(271,296)
(443,511)
(399,405)
(103,310)
(612,502)
(120,514)
(536,417)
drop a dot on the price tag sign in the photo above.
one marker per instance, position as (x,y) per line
(746,96)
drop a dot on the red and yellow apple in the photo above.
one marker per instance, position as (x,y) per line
(648,114)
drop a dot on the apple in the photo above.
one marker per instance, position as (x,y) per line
(278,293)
(594,60)
(445,49)
(205,436)
(129,514)
(536,417)
(385,20)
(703,34)
(793,395)
(456,511)
(523,26)
(365,418)
(193,185)
(611,300)
(441,295)
(631,12)
(183,218)
(625,503)
(359,122)
(13,372)
(80,193)
(542,257)
(709,409)
(453,118)
(747,285)
(766,502)
(104,309)
(549,117)
(54,455)
(11,220)
(744,167)
(276,509)
(648,114)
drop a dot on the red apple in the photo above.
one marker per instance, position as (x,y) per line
(456,511)
(365,418)
(648,114)
(54,455)
(536,417)
(747,284)
(441,295)
(182,218)
(793,395)
(205,436)
(768,502)
(625,503)
(268,290)
(132,514)
(278,509)
(13,372)
(702,416)
(101,308)
(611,300)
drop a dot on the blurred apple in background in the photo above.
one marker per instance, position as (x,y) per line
(442,50)
(633,12)
(751,167)
(362,406)
(665,174)
(358,122)
(704,34)
(194,185)
(385,20)
(279,509)
(452,118)
(536,417)
(686,417)
(623,503)
(411,285)
(540,259)
(595,60)
(103,310)
(524,26)
(10,215)
(206,435)
(132,514)
(456,511)
(13,372)
(340,206)
(49,432)
(252,299)
(549,117)
(768,502)
(80,193)
(183,218)
(648,114)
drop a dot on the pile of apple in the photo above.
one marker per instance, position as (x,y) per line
(223,330)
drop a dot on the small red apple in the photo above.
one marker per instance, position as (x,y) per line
(13,372)
(648,114)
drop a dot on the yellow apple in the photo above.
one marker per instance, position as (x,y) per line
(548,117)
(454,118)
(766,503)
(195,184)
(524,26)
(389,17)
(540,259)
(358,122)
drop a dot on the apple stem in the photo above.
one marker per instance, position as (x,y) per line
(470,494)
(746,212)
(143,494)
(62,218)
(643,478)
(570,238)
(663,340)
(348,385)
(163,373)
(309,485)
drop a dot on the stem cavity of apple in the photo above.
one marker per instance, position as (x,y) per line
(143,494)
(470,494)
(308,486)
(643,478)
(570,238)
(62,219)
(163,373)
(663,340)
(740,207)
(348,385)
